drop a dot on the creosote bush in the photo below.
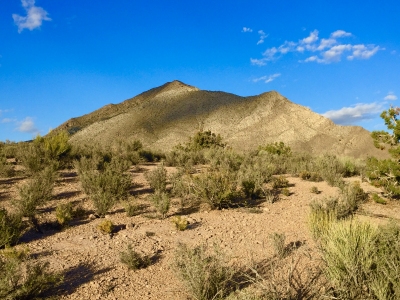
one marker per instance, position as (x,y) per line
(206,274)
(36,192)
(105,184)
(22,279)
(161,202)
(157,178)
(11,228)
(133,259)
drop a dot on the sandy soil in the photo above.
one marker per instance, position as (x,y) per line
(90,260)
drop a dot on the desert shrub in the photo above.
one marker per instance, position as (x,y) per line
(9,149)
(36,192)
(106,226)
(57,146)
(180,223)
(280,182)
(351,196)
(276,148)
(215,188)
(330,169)
(285,192)
(205,139)
(310,176)
(321,217)
(157,178)
(44,151)
(357,259)
(22,279)
(223,159)
(253,173)
(377,199)
(283,279)
(10,228)
(131,208)
(386,174)
(206,275)
(278,243)
(161,202)
(133,259)
(6,169)
(314,190)
(64,213)
(151,155)
(106,184)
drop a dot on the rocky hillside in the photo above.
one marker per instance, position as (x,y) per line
(169,114)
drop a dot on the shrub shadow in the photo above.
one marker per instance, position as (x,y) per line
(76,276)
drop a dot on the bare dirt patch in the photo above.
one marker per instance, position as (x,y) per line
(90,260)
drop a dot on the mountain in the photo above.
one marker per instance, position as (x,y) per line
(167,115)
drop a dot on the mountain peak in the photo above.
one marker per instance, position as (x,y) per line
(175,88)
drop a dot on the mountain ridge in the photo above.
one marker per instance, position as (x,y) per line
(167,115)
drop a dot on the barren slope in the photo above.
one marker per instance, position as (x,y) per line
(167,115)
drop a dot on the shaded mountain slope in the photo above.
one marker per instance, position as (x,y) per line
(169,114)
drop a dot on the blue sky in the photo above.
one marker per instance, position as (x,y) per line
(62,59)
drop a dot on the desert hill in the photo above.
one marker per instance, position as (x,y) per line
(169,114)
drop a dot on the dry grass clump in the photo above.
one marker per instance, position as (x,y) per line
(134,260)
(106,226)
(180,223)
(206,275)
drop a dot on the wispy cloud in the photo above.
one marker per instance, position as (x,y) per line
(322,50)
(35,15)
(267,79)
(7,120)
(27,126)
(263,36)
(247,29)
(390,96)
(355,113)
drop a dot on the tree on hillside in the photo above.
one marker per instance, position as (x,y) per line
(386,173)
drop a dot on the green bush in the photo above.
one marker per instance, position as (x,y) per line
(131,208)
(106,226)
(133,259)
(36,192)
(157,178)
(386,174)
(6,169)
(22,279)
(378,199)
(10,228)
(362,262)
(161,202)
(215,188)
(105,185)
(206,276)
(180,223)
(310,176)
(276,148)
(64,213)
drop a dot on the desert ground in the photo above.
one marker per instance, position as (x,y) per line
(90,260)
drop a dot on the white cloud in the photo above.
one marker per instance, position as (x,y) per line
(363,52)
(247,29)
(340,33)
(263,36)
(258,62)
(313,37)
(391,97)
(27,125)
(325,50)
(35,15)
(357,112)
(267,79)
(7,120)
